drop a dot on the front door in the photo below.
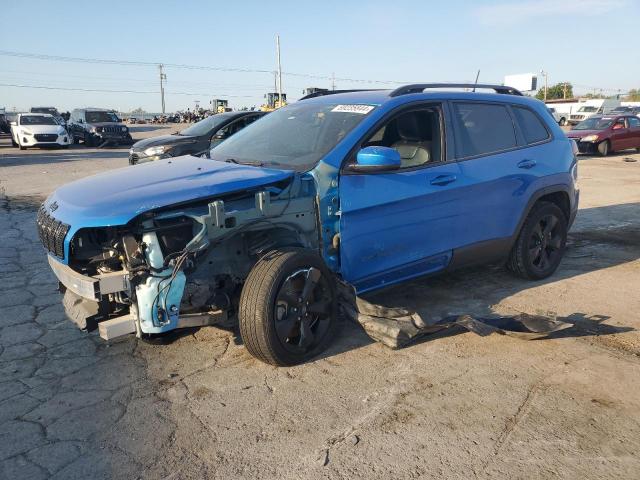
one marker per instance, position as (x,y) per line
(397,225)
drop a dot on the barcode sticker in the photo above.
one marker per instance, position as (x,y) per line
(361,109)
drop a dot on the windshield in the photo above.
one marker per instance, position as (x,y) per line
(204,126)
(101,117)
(37,120)
(49,110)
(587,109)
(594,124)
(295,137)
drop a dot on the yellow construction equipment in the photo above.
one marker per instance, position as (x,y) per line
(273,102)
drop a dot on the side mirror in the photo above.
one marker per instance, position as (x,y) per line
(376,159)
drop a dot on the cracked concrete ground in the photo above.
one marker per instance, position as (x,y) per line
(453,405)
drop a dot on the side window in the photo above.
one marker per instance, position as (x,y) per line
(619,124)
(532,127)
(249,119)
(483,128)
(634,122)
(415,134)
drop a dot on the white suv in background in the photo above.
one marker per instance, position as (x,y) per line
(38,130)
(560,118)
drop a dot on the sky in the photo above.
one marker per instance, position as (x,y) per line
(363,44)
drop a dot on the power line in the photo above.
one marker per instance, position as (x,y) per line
(138,63)
(155,92)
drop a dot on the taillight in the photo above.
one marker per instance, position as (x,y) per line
(574,147)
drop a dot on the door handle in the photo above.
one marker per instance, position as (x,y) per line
(443,180)
(527,163)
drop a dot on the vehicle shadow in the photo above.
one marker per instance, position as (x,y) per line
(52,156)
(602,237)
(149,128)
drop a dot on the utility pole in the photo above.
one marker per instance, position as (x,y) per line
(163,77)
(564,90)
(279,70)
(333,80)
(546,85)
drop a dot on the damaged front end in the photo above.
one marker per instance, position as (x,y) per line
(179,265)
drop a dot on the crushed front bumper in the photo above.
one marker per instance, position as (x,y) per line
(91,288)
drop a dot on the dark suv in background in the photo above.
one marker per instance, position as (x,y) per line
(197,138)
(51,111)
(97,127)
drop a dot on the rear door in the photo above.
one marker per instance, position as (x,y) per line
(634,130)
(502,150)
(620,138)
(400,224)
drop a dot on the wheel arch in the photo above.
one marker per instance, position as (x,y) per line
(556,194)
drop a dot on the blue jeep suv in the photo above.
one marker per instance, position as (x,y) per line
(368,187)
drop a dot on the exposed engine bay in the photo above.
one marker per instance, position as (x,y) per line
(182,265)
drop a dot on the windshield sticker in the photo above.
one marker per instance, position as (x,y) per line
(361,109)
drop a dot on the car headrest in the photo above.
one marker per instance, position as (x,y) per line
(414,128)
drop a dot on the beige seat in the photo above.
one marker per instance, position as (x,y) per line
(413,148)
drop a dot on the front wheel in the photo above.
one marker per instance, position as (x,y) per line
(604,148)
(540,244)
(288,307)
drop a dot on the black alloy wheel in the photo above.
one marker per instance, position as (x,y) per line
(541,242)
(288,309)
(303,310)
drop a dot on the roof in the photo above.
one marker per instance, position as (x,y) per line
(36,114)
(379,97)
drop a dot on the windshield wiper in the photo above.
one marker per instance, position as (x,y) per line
(232,160)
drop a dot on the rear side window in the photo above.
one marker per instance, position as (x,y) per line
(483,128)
(532,127)
(634,122)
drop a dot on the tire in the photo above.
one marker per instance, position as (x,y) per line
(563,122)
(537,253)
(604,148)
(88,140)
(21,147)
(273,302)
(13,142)
(75,140)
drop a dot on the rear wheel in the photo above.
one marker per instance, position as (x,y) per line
(540,244)
(288,307)
(604,148)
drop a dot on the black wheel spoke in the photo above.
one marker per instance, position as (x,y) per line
(285,327)
(321,307)
(544,258)
(306,334)
(311,280)
(534,252)
(556,242)
(551,222)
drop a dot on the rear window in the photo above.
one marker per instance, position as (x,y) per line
(483,128)
(532,127)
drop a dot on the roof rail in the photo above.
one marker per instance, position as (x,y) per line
(321,93)
(420,87)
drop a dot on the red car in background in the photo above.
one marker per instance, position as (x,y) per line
(604,134)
